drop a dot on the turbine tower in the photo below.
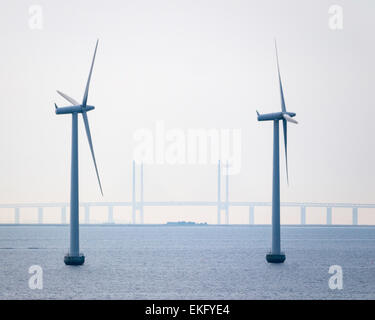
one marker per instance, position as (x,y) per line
(74,257)
(276,256)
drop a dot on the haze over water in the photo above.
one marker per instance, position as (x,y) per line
(201,262)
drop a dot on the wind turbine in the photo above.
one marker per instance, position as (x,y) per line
(276,256)
(74,257)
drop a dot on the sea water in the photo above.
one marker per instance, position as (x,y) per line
(188,262)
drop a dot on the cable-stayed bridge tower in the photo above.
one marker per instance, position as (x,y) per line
(222,205)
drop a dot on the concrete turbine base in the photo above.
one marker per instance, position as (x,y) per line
(74,260)
(275,257)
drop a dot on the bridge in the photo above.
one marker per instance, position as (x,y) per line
(221,205)
(139,206)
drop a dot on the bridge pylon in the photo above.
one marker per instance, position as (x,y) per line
(222,205)
(140,204)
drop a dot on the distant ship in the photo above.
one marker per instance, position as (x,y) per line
(185,223)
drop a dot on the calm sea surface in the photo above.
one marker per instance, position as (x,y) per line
(176,262)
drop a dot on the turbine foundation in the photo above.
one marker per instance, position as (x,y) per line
(275,257)
(74,260)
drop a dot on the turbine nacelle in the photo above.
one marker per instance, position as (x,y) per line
(73,109)
(277,116)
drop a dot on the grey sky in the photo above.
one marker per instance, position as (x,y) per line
(191,64)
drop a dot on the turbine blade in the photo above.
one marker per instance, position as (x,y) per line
(69,99)
(289,118)
(286,149)
(87,127)
(84,102)
(283,109)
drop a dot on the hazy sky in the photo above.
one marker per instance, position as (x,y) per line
(189,64)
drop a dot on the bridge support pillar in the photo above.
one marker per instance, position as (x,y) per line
(134,204)
(40,215)
(219,192)
(134,214)
(251,215)
(63,215)
(137,205)
(141,213)
(303,215)
(110,214)
(227,194)
(355,216)
(329,216)
(17,215)
(141,202)
(87,214)
(226,214)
